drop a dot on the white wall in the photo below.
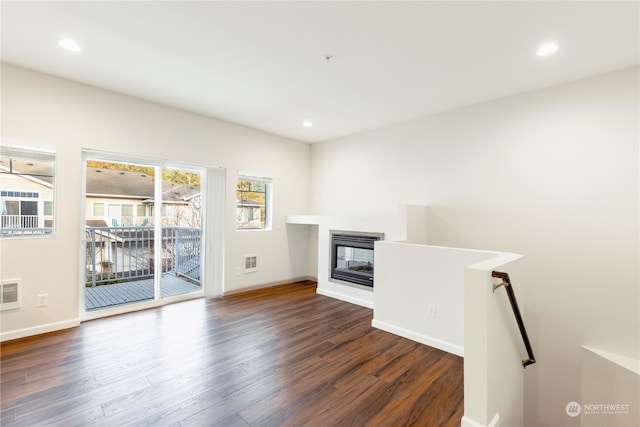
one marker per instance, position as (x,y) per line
(408,278)
(552,175)
(42,110)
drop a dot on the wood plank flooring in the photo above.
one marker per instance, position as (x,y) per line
(281,356)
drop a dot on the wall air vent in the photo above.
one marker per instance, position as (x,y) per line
(10,294)
(250,263)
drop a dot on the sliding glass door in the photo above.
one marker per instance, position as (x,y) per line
(143,232)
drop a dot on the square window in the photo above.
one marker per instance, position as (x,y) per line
(48,207)
(168,211)
(253,203)
(98,209)
(32,171)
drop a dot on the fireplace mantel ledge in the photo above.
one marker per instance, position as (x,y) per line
(410,224)
(304,219)
(330,219)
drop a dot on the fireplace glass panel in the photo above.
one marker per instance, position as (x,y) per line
(355,259)
(352,258)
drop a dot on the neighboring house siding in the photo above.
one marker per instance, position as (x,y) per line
(248,216)
(12,204)
(126,199)
(126,217)
(139,212)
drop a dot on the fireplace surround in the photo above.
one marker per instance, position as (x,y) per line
(352,257)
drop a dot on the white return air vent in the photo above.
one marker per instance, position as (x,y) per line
(10,294)
(250,263)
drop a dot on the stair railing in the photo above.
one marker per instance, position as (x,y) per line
(506,282)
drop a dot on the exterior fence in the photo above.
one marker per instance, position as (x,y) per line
(122,254)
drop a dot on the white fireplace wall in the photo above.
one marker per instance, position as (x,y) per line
(409,225)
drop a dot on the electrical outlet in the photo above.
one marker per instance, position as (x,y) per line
(431,310)
(43,300)
(238,271)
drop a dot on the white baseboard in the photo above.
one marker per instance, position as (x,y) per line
(423,339)
(343,297)
(40,329)
(468,422)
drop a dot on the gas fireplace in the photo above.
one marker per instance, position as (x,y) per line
(352,256)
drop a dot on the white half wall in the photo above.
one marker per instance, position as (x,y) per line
(443,297)
(617,404)
(409,278)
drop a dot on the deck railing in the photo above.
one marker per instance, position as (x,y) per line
(119,254)
(16,232)
(14,224)
(18,225)
(19,221)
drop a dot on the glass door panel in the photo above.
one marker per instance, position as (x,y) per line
(181,231)
(119,266)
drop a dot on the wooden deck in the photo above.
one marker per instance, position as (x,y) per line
(140,290)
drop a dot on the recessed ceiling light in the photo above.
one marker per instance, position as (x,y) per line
(547,49)
(69,45)
(307,123)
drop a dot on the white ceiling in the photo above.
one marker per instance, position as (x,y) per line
(263,64)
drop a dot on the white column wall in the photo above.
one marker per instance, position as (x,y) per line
(494,376)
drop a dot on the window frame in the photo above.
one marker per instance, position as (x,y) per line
(27,157)
(268,201)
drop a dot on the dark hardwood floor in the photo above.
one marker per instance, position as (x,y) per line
(282,356)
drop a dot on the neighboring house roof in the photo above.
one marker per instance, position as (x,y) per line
(115,183)
(136,185)
(96,223)
(41,170)
(37,173)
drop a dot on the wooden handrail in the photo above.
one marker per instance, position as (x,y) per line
(506,282)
